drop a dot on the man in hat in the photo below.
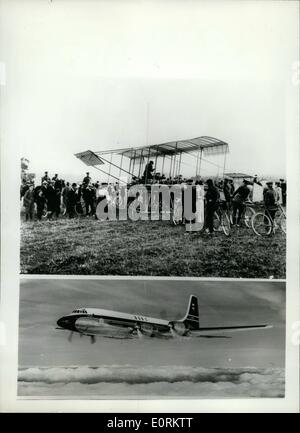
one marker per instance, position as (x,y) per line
(86,179)
(40,200)
(89,197)
(71,200)
(238,202)
(45,178)
(51,199)
(148,171)
(270,201)
(28,202)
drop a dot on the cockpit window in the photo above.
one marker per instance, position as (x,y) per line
(81,311)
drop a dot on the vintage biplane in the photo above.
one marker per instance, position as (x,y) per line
(127,165)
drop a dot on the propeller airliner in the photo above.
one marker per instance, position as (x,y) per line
(94,322)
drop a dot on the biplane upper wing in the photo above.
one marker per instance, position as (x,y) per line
(209,146)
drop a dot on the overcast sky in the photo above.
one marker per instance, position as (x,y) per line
(98,75)
(44,301)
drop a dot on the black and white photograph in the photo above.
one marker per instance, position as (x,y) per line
(181,176)
(151,338)
(149,205)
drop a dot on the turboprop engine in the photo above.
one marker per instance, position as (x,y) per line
(179,328)
(146,329)
(87,324)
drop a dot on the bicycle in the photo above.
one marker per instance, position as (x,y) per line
(264,225)
(222,219)
(247,214)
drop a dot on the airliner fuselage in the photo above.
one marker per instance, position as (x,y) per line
(94,321)
(115,324)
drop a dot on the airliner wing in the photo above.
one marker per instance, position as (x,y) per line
(221,329)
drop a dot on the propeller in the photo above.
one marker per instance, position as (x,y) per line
(93,339)
(70,337)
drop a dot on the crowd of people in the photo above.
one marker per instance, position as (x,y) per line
(55,197)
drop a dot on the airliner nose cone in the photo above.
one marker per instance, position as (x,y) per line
(60,322)
(66,322)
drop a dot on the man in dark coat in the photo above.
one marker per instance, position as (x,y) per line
(89,196)
(86,179)
(51,200)
(71,200)
(40,200)
(270,201)
(211,204)
(148,171)
(45,178)
(238,202)
(28,202)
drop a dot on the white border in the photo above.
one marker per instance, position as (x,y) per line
(9,308)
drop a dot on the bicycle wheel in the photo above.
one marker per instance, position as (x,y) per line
(217,222)
(226,226)
(248,215)
(261,224)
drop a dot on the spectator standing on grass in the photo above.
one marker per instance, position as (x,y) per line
(44,186)
(24,188)
(88,195)
(65,191)
(28,202)
(270,201)
(238,202)
(71,200)
(40,200)
(51,199)
(58,183)
(211,203)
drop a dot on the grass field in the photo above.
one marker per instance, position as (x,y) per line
(90,247)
